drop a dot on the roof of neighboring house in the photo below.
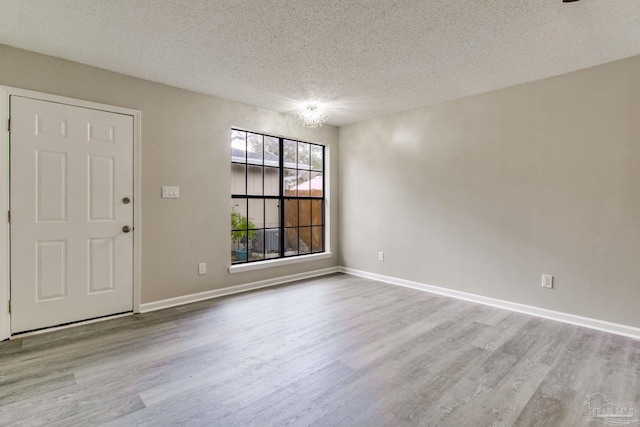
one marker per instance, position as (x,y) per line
(317,183)
(238,155)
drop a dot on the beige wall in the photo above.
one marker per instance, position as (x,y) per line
(481,195)
(185,142)
(486,193)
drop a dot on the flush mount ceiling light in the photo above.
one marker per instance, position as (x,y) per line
(311,116)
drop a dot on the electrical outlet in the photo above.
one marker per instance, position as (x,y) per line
(380,256)
(547,281)
(202,268)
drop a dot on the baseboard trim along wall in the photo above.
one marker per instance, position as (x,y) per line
(216,293)
(600,325)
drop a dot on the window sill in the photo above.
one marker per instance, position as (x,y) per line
(239,268)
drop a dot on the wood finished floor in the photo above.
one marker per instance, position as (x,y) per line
(336,350)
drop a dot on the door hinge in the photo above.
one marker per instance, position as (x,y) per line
(8,125)
(9,306)
(9,216)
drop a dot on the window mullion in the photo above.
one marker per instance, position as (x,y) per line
(281,195)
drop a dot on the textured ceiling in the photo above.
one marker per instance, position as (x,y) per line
(360,59)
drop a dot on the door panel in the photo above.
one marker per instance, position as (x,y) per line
(101,183)
(51,270)
(101,264)
(70,169)
(51,189)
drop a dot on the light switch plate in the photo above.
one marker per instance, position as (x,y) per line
(170,192)
(202,268)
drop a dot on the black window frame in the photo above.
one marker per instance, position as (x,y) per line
(283,199)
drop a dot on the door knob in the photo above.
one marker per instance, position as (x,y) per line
(126,229)
(126,200)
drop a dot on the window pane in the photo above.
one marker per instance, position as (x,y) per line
(291,241)
(291,212)
(254,148)
(238,146)
(305,240)
(238,179)
(316,239)
(317,184)
(254,180)
(271,181)
(239,233)
(238,214)
(304,185)
(303,156)
(290,182)
(316,212)
(316,157)
(257,245)
(272,213)
(238,255)
(271,151)
(256,213)
(304,212)
(272,242)
(289,156)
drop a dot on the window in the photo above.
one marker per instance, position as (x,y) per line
(277,197)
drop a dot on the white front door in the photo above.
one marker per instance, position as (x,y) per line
(71,195)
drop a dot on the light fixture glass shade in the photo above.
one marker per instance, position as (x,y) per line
(311,116)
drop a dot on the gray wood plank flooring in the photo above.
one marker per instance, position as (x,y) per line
(334,350)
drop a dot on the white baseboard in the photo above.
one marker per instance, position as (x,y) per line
(600,325)
(216,293)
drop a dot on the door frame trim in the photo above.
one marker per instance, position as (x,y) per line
(5,261)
